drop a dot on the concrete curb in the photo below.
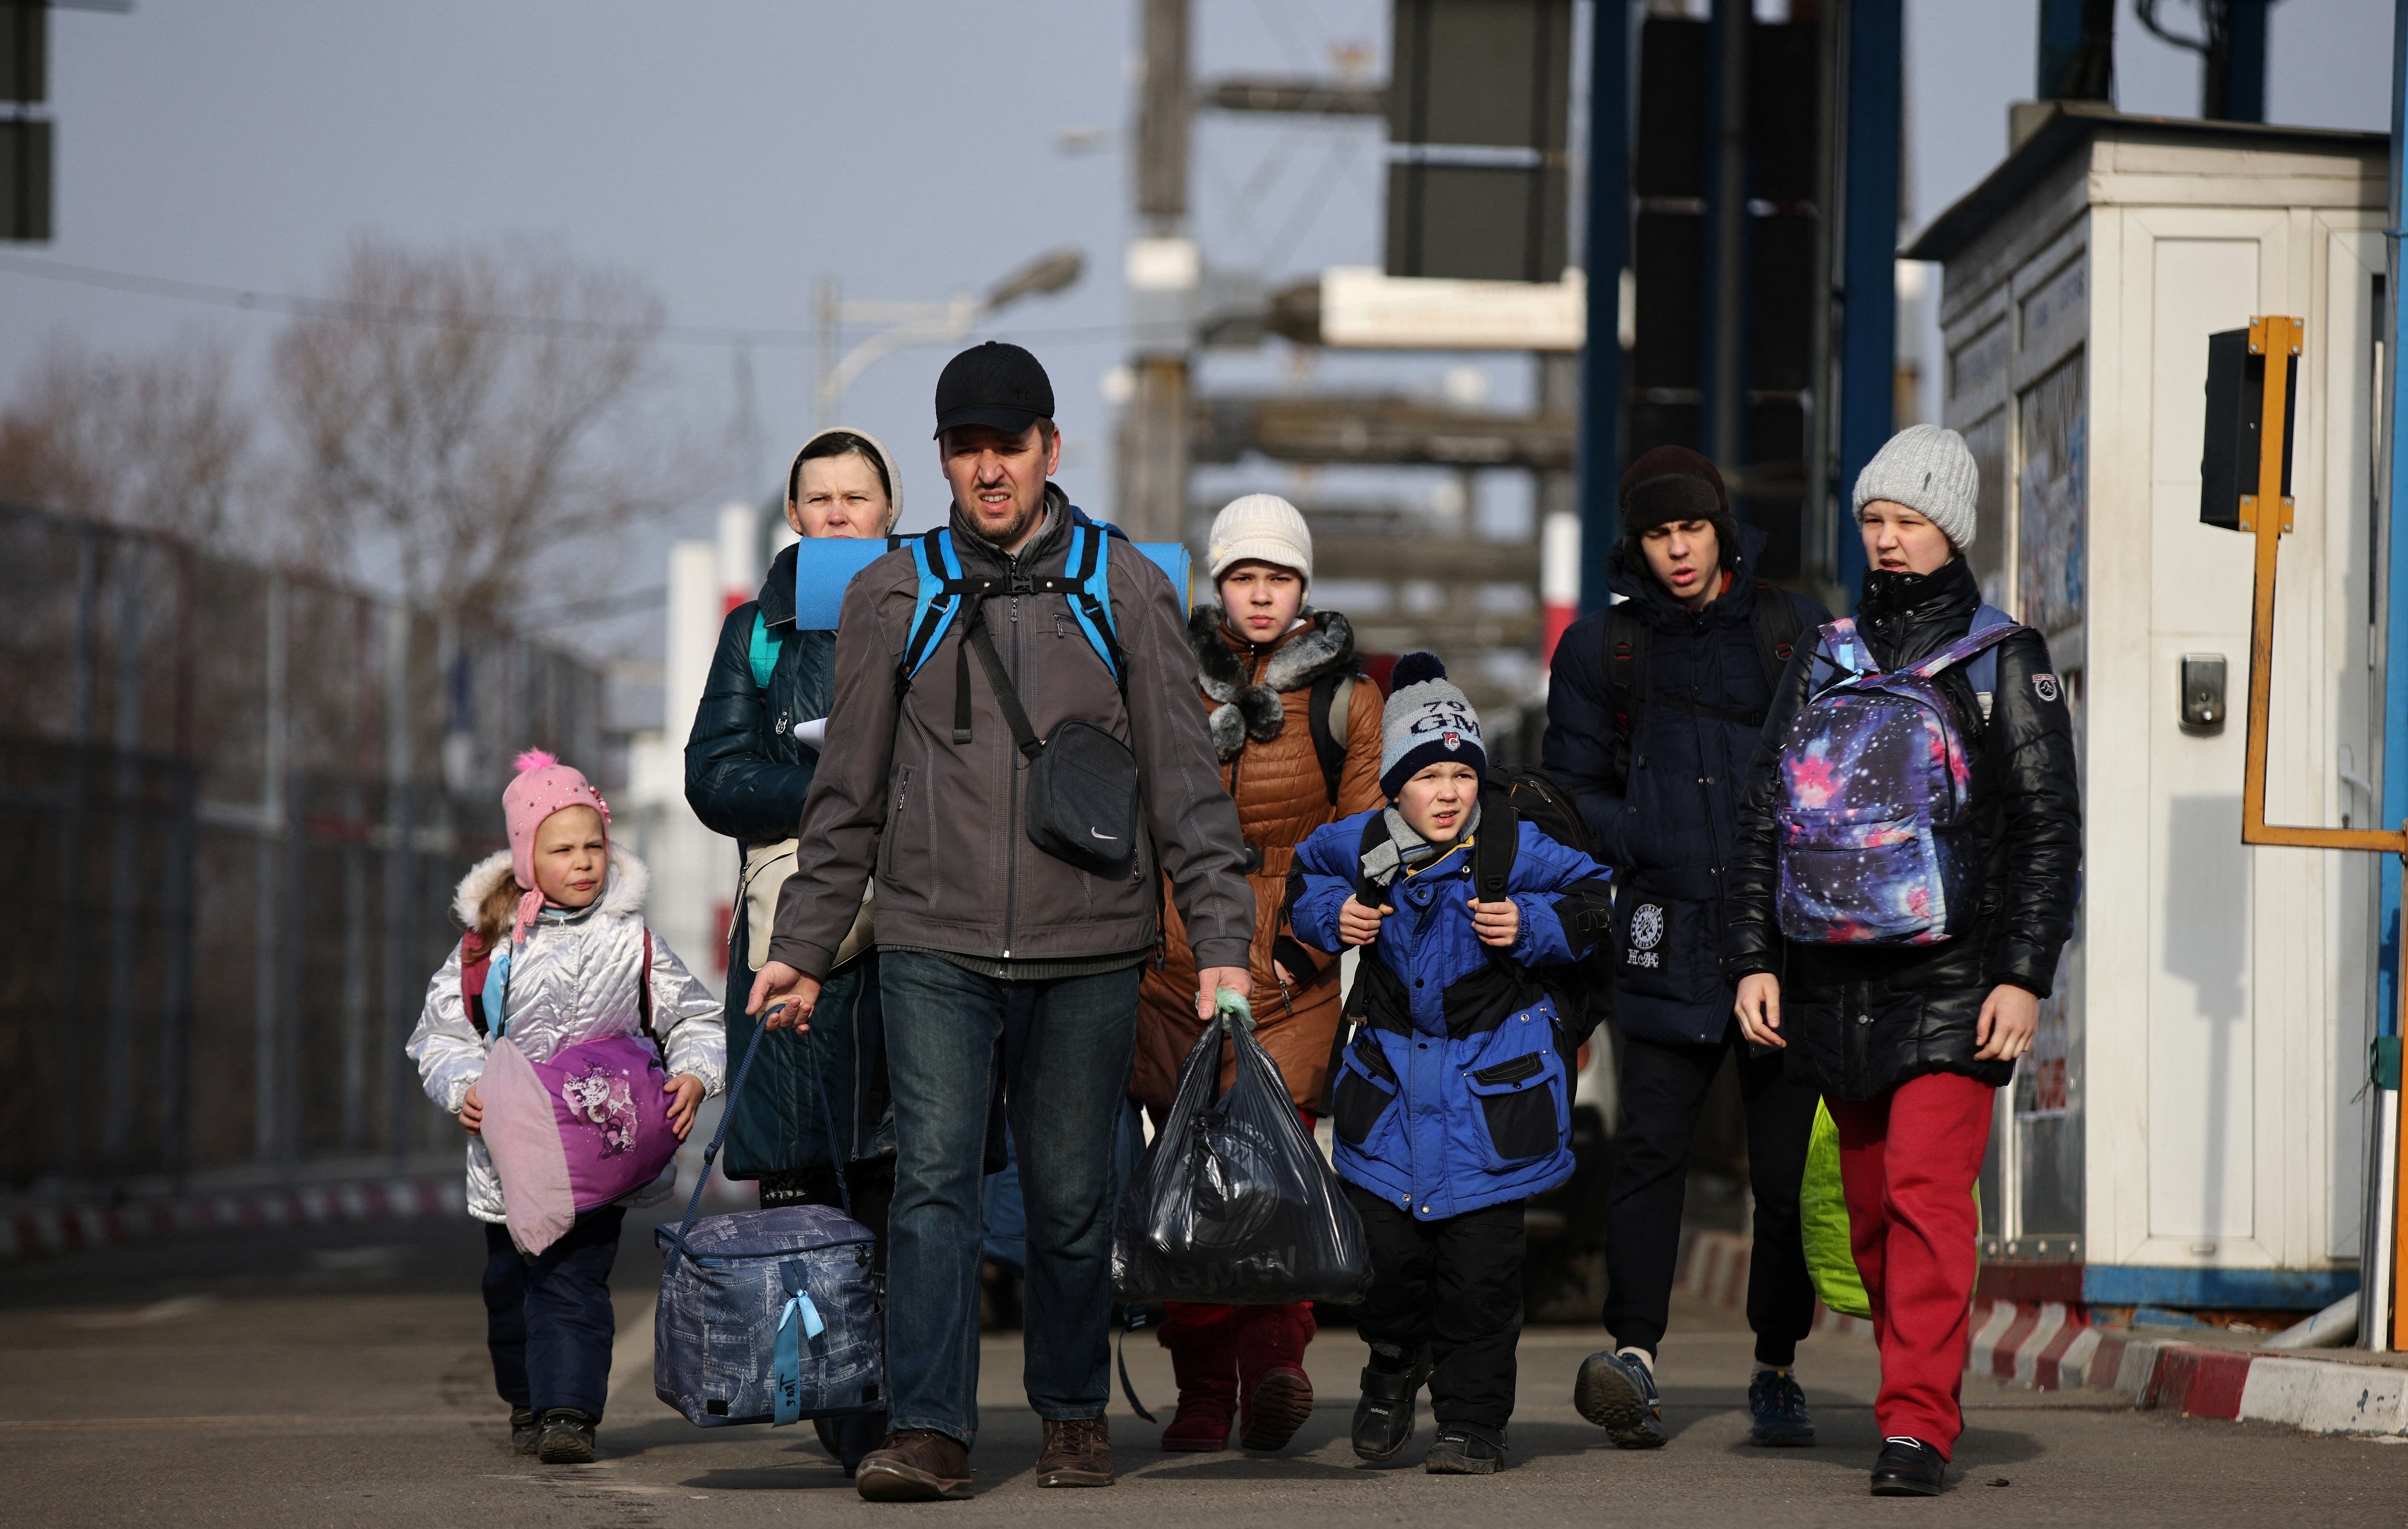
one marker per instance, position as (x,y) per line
(2050,1347)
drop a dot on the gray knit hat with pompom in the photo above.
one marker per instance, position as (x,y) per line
(1425,721)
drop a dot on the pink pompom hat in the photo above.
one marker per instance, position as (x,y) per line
(544,785)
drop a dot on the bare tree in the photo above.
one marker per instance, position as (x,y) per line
(155,441)
(469,415)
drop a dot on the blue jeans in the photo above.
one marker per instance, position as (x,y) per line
(1066,1045)
(549,1323)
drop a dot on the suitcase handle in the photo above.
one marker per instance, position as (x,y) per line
(726,1115)
(711,1153)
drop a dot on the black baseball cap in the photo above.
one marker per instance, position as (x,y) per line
(994,384)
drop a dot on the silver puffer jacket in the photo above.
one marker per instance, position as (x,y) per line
(573,981)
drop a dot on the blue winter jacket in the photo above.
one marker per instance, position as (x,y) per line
(1668,831)
(1455,1094)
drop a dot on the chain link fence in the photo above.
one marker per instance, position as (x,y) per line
(233,801)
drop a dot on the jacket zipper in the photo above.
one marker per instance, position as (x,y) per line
(894,828)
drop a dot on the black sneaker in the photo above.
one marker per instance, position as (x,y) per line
(567,1438)
(1461,1452)
(525,1432)
(1618,1395)
(1779,1409)
(1383,1417)
(1908,1467)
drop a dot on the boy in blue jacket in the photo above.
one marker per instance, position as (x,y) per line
(1453,1102)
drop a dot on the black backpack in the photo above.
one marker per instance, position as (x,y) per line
(1332,694)
(1582,988)
(1777,628)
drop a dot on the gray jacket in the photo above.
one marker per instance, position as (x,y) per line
(942,820)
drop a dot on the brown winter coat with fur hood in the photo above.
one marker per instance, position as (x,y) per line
(1259,700)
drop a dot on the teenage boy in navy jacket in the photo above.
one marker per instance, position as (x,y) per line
(1451,1105)
(1653,714)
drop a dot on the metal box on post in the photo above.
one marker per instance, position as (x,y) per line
(2184,1132)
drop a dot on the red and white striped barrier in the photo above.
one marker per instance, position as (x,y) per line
(41,1230)
(2050,1346)
(1713,1267)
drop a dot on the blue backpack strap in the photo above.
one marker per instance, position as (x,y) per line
(1841,646)
(1984,673)
(765,651)
(940,600)
(1090,574)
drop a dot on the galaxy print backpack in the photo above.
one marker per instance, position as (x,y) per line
(1873,819)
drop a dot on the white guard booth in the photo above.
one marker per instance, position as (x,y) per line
(2188,1129)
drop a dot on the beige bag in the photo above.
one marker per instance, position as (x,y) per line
(766,867)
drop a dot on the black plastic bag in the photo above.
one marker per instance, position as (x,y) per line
(1233,1203)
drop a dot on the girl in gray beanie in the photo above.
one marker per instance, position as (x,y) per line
(1908,1043)
(1924,474)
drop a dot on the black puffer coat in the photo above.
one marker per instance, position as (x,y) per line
(1861,1020)
(1667,833)
(745,775)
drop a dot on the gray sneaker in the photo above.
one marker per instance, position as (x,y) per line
(1618,1395)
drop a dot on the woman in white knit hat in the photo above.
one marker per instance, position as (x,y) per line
(1910,1042)
(1297,730)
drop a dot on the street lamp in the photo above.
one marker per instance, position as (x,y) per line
(922,323)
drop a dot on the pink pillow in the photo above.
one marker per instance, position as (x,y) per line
(575,1133)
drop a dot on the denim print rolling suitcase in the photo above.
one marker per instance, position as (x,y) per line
(766,1316)
(1874,807)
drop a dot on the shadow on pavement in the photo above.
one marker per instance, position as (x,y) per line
(1270,1467)
(802,1475)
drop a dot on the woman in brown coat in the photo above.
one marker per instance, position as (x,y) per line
(1266,663)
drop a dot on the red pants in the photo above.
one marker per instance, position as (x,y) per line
(1908,1161)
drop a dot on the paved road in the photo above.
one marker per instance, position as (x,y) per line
(338,1377)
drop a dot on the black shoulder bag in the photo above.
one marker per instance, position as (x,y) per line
(1081,799)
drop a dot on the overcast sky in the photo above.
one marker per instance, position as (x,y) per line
(733,151)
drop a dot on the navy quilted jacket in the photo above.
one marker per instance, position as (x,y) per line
(1668,832)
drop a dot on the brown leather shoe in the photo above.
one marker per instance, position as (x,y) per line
(916,1465)
(1078,1452)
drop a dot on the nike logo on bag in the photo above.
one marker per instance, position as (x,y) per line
(1113,838)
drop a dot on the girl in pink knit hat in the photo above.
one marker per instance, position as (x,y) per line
(555,955)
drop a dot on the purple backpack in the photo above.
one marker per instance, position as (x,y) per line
(585,1127)
(1873,819)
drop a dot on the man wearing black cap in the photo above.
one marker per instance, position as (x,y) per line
(994,950)
(1653,710)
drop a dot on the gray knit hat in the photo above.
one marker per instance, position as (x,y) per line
(1425,721)
(1928,470)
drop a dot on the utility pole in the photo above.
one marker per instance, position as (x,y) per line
(1606,251)
(1163,273)
(1872,104)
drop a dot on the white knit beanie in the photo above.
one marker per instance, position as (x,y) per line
(1928,470)
(1262,526)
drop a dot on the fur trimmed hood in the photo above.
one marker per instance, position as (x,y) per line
(1254,711)
(624,890)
